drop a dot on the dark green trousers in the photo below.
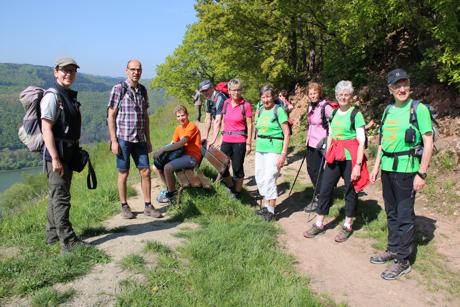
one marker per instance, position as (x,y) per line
(59,226)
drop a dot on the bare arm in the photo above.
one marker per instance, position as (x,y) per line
(249,137)
(356,171)
(207,126)
(375,171)
(282,158)
(48,138)
(216,129)
(147,131)
(112,115)
(419,183)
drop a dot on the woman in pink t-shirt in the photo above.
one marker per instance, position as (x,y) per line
(319,111)
(236,134)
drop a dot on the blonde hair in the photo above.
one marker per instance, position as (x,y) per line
(180,108)
(315,86)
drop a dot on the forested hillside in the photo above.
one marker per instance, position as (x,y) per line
(93,95)
(293,41)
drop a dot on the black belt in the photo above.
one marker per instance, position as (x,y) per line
(395,155)
(270,137)
(235,133)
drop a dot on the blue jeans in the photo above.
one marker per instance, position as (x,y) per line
(136,150)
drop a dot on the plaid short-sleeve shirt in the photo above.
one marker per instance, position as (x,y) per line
(130,120)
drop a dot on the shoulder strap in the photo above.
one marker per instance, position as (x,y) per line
(323,115)
(143,91)
(353,118)
(332,115)
(413,115)
(384,117)
(124,90)
(60,106)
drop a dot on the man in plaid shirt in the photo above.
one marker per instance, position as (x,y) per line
(128,122)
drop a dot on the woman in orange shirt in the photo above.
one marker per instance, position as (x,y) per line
(186,135)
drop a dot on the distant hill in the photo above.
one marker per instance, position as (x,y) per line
(93,93)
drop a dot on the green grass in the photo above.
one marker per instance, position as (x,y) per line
(36,265)
(49,297)
(133,262)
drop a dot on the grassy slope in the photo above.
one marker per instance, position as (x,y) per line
(233,259)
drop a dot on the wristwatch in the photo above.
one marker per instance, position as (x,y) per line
(422,175)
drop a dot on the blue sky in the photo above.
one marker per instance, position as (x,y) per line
(101,35)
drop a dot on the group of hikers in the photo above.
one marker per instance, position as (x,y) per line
(335,146)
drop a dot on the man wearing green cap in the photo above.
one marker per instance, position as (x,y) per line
(61,126)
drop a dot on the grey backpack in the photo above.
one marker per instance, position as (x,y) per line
(30,132)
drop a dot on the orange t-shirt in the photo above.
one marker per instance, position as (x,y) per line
(192,133)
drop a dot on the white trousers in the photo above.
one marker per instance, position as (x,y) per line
(266,174)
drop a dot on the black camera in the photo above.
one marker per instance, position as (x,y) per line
(410,137)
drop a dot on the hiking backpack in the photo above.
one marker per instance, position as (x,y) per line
(223,88)
(124,90)
(353,114)
(413,120)
(334,105)
(30,132)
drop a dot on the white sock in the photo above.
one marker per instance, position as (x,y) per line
(270,209)
(347,225)
(319,224)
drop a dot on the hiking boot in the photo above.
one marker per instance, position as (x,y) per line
(383,257)
(70,246)
(165,198)
(151,211)
(162,193)
(397,269)
(311,207)
(313,231)
(343,234)
(262,211)
(268,216)
(126,212)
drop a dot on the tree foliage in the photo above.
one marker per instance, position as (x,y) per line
(285,42)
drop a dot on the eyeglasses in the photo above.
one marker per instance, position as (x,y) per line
(67,70)
(400,85)
(135,69)
(236,90)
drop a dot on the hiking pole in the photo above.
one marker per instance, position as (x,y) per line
(301,164)
(315,190)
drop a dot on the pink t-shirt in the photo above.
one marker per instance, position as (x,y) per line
(316,131)
(234,121)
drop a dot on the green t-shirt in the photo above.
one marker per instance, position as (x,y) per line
(267,126)
(393,136)
(340,126)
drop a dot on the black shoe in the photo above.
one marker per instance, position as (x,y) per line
(262,211)
(70,246)
(383,257)
(268,216)
(397,269)
(311,207)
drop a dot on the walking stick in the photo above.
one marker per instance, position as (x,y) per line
(301,164)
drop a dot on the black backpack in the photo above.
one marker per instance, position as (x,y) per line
(352,123)
(124,90)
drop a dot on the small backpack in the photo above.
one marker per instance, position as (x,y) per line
(30,132)
(124,90)
(223,88)
(334,105)
(352,123)
(413,120)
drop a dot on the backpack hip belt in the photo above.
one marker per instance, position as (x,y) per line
(235,133)
(271,138)
(395,155)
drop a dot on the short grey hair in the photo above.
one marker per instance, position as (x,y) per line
(344,86)
(268,88)
(235,83)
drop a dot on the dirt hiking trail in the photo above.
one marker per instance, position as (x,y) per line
(342,270)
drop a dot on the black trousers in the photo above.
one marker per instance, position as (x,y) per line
(331,176)
(198,113)
(236,152)
(315,166)
(399,199)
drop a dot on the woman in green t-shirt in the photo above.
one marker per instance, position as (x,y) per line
(271,149)
(403,171)
(345,158)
